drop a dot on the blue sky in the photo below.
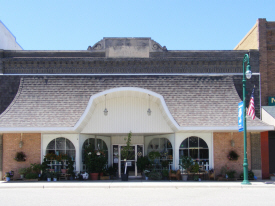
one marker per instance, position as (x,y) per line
(178,25)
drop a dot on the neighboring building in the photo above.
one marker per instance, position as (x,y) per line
(193,95)
(262,38)
(7,40)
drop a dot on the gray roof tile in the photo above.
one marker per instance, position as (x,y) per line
(60,102)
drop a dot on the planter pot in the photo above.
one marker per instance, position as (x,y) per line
(49,179)
(272,178)
(94,176)
(8,179)
(22,176)
(184,177)
(104,177)
(54,179)
(63,171)
(124,177)
(146,178)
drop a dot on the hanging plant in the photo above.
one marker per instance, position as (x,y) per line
(20,157)
(232,155)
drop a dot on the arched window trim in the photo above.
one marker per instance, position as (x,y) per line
(101,147)
(65,146)
(198,159)
(157,147)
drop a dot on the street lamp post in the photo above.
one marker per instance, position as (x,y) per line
(246,74)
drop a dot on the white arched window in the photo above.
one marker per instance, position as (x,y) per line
(61,145)
(196,148)
(98,144)
(164,147)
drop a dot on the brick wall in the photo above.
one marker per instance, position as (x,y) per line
(31,148)
(263,60)
(222,147)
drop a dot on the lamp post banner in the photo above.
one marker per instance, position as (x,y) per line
(240,116)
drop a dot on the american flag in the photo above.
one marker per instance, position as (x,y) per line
(251,108)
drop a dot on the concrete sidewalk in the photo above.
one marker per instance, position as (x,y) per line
(136,184)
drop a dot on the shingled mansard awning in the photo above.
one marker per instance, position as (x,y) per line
(58,103)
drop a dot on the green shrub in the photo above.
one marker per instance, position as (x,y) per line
(165,173)
(22,171)
(195,168)
(31,176)
(231,173)
(250,175)
(143,163)
(186,162)
(153,155)
(155,176)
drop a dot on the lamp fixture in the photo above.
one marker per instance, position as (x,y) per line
(21,142)
(232,142)
(149,110)
(105,110)
(248,72)
(98,153)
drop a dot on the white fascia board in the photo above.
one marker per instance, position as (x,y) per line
(181,129)
(229,128)
(36,129)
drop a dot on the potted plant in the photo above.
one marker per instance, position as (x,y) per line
(165,163)
(20,157)
(112,171)
(71,168)
(186,163)
(143,163)
(154,156)
(251,175)
(49,176)
(126,154)
(211,174)
(55,176)
(7,176)
(155,175)
(146,174)
(165,174)
(232,155)
(37,168)
(95,161)
(106,175)
(22,172)
(194,168)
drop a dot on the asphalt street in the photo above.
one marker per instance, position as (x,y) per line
(137,196)
(136,193)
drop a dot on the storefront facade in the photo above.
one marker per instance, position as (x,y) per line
(174,102)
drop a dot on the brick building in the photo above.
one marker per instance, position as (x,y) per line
(262,38)
(53,101)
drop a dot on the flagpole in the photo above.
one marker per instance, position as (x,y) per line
(246,74)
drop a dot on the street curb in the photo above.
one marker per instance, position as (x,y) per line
(141,184)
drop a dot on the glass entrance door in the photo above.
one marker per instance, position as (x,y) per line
(137,152)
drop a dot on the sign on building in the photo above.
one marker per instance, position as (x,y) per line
(271,101)
(240,116)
